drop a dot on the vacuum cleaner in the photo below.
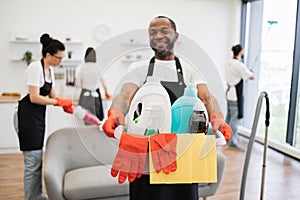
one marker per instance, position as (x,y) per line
(250,145)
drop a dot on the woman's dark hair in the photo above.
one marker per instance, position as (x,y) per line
(90,55)
(170,20)
(50,45)
(236,49)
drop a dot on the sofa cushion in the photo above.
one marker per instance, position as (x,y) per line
(92,182)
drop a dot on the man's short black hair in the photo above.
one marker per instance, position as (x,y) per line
(171,21)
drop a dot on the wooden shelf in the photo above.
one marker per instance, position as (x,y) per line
(9,99)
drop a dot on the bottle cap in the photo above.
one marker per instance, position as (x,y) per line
(199,106)
(118,131)
(190,90)
(152,79)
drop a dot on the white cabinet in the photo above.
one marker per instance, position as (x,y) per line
(9,139)
(56,119)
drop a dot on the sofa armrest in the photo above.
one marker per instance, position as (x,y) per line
(73,148)
(56,165)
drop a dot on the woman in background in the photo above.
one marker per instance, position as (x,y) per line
(39,81)
(236,73)
(88,80)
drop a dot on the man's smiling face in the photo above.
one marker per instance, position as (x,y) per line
(162,36)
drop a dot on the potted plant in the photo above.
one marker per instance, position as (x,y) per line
(27,57)
(70,54)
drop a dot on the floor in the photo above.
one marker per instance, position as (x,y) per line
(282,176)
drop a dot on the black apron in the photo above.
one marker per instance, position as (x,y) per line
(141,189)
(93,104)
(31,118)
(240,98)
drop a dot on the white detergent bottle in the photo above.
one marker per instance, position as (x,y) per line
(154,114)
(153,97)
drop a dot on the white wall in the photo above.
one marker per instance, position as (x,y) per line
(213,24)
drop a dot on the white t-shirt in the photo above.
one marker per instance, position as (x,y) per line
(165,70)
(235,71)
(34,76)
(88,77)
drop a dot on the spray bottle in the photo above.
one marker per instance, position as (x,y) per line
(86,115)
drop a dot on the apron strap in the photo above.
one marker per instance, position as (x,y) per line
(43,65)
(178,69)
(240,98)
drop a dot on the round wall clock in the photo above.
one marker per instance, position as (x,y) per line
(101,33)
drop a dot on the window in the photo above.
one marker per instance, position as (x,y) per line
(276,62)
(272,30)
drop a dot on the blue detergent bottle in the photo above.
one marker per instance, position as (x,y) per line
(182,109)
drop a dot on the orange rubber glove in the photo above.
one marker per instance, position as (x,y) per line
(163,152)
(68,109)
(115,118)
(108,96)
(218,123)
(131,157)
(63,102)
(227,131)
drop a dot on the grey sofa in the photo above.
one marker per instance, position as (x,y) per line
(77,166)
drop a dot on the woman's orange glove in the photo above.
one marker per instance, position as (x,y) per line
(163,152)
(68,109)
(108,96)
(218,123)
(115,118)
(63,102)
(131,157)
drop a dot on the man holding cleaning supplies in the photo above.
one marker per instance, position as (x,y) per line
(174,77)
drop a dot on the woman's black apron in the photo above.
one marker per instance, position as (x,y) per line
(141,189)
(91,103)
(31,118)
(240,98)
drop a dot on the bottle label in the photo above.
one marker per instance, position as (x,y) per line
(197,127)
(149,132)
(198,123)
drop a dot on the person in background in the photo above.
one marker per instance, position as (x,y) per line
(39,81)
(236,73)
(88,80)
(174,76)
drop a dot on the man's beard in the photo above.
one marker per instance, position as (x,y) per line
(164,53)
